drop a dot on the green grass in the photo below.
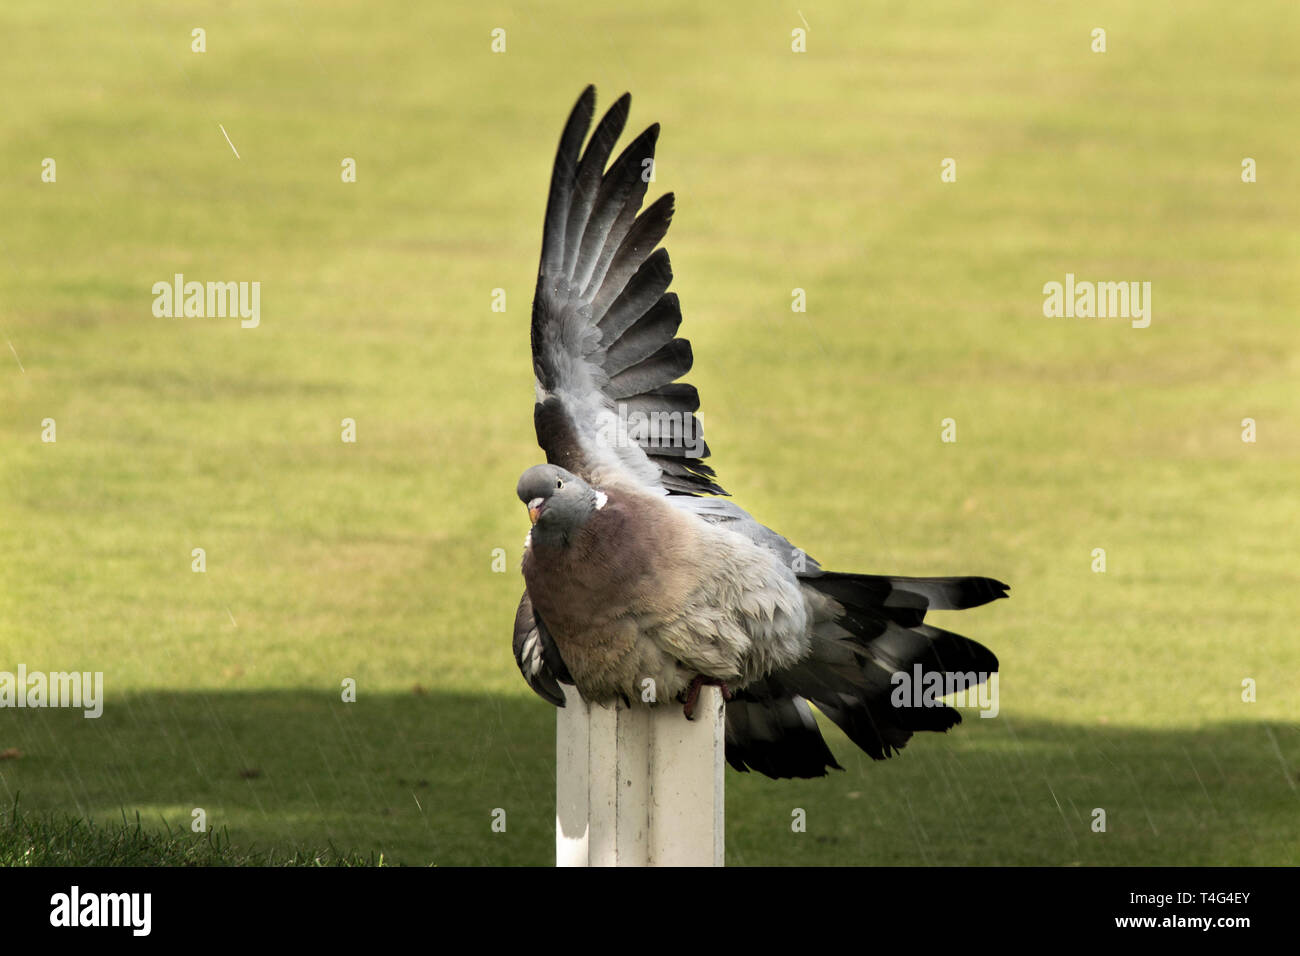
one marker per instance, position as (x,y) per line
(51,839)
(373,561)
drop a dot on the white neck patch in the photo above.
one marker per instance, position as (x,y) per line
(601,498)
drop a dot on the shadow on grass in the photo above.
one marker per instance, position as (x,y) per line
(417,777)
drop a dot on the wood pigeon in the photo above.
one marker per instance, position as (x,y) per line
(641,585)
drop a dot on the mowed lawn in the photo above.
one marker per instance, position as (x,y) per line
(374,560)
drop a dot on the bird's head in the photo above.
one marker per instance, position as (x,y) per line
(559,502)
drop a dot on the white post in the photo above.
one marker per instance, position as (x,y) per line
(639,786)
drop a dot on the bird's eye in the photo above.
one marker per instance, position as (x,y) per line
(559,482)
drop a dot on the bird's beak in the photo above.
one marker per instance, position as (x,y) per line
(534,509)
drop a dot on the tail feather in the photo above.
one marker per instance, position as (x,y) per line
(775,735)
(888,591)
(867,629)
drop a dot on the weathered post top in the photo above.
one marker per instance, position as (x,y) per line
(640,785)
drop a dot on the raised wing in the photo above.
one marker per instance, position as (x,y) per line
(605,352)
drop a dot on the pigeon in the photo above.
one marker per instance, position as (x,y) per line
(643,581)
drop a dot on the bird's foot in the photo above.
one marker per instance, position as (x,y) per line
(693,693)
